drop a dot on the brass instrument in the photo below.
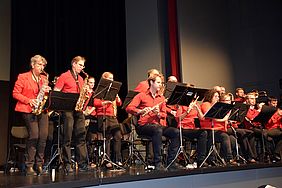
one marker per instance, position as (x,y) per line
(42,96)
(83,95)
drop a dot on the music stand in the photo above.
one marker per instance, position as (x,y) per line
(182,95)
(133,152)
(59,101)
(265,114)
(238,114)
(107,90)
(218,111)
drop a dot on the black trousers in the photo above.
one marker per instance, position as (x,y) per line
(156,132)
(112,130)
(74,132)
(202,138)
(244,138)
(224,139)
(37,128)
(276,134)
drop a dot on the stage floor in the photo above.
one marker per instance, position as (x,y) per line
(100,176)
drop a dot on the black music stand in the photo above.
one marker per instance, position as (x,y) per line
(107,90)
(182,95)
(238,114)
(133,151)
(59,101)
(265,114)
(218,111)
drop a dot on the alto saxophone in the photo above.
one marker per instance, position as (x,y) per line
(83,95)
(42,96)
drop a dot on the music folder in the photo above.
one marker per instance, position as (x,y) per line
(60,101)
(218,111)
(130,95)
(239,112)
(107,89)
(184,95)
(265,114)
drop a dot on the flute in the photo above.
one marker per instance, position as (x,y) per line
(152,108)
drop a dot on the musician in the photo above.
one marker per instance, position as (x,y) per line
(90,112)
(219,126)
(172,79)
(274,130)
(151,108)
(72,82)
(187,115)
(272,101)
(143,86)
(248,123)
(240,95)
(26,89)
(107,112)
(244,135)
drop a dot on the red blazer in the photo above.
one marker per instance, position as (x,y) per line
(26,89)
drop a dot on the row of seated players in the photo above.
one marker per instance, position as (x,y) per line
(246,131)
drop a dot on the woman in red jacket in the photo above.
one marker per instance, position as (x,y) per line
(27,87)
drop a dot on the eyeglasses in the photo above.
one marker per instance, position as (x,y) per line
(81,65)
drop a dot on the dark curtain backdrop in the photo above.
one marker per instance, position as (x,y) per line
(62,29)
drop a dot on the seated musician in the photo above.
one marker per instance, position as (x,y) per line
(107,114)
(187,115)
(143,86)
(253,111)
(244,135)
(239,95)
(272,101)
(274,130)
(219,125)
(151,108)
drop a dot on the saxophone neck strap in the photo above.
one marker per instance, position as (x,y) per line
(75,77)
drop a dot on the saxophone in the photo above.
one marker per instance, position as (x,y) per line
(42,96)
(83,95)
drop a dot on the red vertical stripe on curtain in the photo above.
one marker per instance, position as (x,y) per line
(173,38)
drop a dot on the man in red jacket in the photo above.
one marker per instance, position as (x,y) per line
(74,121)
(27,87)
(151,108)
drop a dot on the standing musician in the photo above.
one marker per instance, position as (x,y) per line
(108,110)
(72,82)
(219,126)
(187,115)
(151,107)
(28,87)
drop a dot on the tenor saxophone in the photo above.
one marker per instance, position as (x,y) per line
(83,95)
(42,96)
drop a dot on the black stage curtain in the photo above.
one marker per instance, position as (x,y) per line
(62,29)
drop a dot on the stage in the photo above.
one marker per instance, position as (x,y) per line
(254,175)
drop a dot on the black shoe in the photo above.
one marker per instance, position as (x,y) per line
(175,166)
(69,168)
(83,168)
(30,171)
(160,167)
